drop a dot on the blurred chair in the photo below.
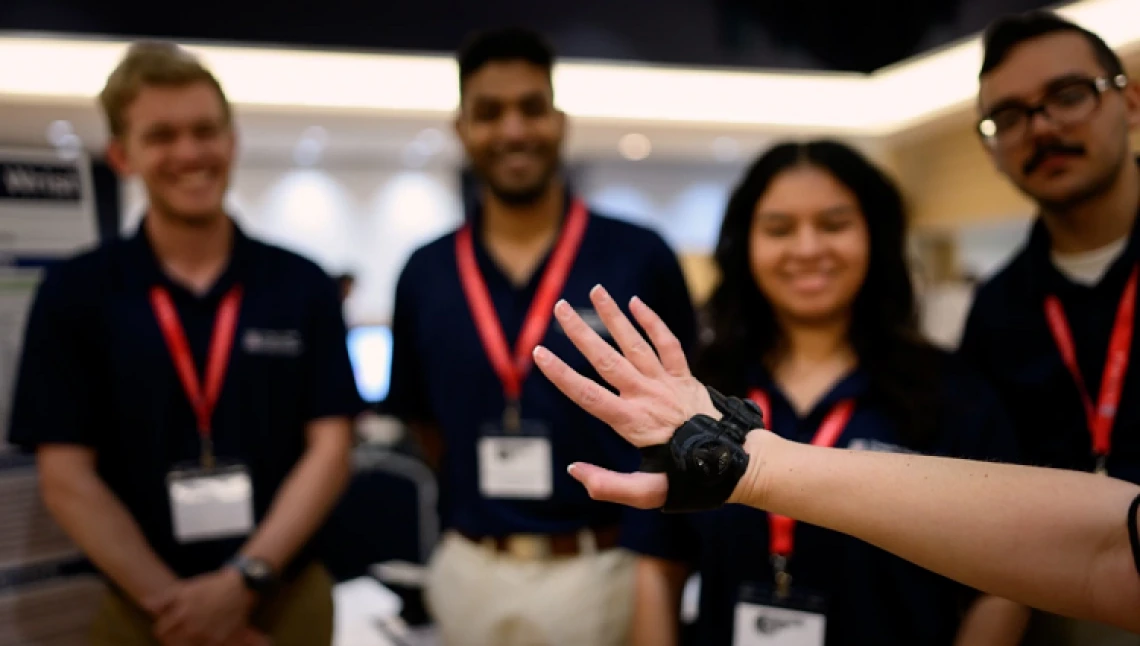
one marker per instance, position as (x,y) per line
(48,591)
(386,526)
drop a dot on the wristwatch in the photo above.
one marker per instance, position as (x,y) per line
(257,574)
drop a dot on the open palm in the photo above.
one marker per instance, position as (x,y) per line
(656,391)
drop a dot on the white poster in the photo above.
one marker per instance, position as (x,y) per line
(47,212)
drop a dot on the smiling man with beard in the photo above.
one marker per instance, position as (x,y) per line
(1053,329)
(187,391)
(527,558)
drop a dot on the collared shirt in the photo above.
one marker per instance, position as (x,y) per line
(873,597)
(441,374)
(96,372)
(1008,339)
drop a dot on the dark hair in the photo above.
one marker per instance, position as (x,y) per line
(1010,31)
(884,332)
(501,45)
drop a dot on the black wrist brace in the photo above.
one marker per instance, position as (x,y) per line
(705,458)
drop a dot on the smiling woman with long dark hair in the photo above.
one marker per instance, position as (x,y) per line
(815,318)
(880,313)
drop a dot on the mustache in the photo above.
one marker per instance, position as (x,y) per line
(1047,148)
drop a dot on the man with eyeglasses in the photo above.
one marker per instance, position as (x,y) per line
(1053,329)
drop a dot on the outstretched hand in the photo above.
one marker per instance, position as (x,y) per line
(656,391)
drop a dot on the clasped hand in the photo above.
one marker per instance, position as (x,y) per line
(208,610)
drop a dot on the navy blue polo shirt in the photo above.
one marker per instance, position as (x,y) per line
(1008,339)
(442,376)
(96,372)
(874,598)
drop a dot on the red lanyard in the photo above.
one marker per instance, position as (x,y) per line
(513,370)
(781,529)
(1101,418)
(203,395)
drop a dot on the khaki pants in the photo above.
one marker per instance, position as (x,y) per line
(482,598)
(1050,630)
(298,614)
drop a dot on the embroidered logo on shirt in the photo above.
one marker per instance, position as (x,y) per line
(278,343)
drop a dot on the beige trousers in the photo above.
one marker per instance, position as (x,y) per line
(480,598)
(298,614)
(1050,630)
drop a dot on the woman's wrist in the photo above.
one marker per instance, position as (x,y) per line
(763,448)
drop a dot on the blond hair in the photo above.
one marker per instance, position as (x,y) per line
(150,64)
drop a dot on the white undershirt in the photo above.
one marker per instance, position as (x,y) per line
(1088,267)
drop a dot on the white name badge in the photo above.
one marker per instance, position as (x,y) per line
(759,625)
(515,467)
(207,505)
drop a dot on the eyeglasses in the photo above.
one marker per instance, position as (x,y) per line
(1067,104)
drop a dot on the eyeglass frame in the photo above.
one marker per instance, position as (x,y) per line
(987,129)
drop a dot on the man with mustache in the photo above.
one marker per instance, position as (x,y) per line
(527,557)
(1053,329)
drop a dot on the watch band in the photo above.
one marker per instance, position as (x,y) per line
(256,574)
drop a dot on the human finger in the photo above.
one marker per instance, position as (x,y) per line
(609,363)
(669,349)
(634,347)
(640,490)
(583,391)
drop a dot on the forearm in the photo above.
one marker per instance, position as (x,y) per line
(993,621)
(306,497)
(103,529)
(656,602)
(1054,540)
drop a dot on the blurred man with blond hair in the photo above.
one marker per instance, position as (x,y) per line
(187,390)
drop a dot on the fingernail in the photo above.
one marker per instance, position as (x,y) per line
(636,300)
(570,468)
(560,307)
(541,353)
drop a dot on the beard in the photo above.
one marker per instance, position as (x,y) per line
(519,194)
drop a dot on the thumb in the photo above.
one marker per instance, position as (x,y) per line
(640,490)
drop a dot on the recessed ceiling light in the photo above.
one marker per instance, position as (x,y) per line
(635,146)
(316,133)
(308,152)
(58,130)
(416,154)
(69,146)
(431,140)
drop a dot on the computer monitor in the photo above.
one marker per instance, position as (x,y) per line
(370,351)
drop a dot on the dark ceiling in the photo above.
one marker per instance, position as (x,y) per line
(852,35)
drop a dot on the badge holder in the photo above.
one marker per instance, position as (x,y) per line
(515,458)
(209,501)
(779,615)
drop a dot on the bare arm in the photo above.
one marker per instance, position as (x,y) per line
(657,601)
(96,520)
(1055,540)
(307,495)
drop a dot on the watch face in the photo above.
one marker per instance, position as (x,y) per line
(257,569)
